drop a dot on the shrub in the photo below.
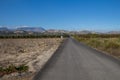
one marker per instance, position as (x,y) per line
(1,69)
(22,68)
(12,68)
(109,43)
(112,45)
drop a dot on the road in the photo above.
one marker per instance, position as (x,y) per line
(76,61)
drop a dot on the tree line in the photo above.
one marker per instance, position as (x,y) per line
(98,35)
(32,36)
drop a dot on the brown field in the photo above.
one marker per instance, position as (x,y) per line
(30,52)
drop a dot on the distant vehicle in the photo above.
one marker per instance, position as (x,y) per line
(61,37)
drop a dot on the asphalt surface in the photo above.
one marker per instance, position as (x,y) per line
(76,61)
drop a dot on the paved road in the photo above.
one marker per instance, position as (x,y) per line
(75,61)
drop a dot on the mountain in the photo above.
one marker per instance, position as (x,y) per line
(4,29)
(57,31)
(114,32)
(89,32)
(31,29)
(85,32)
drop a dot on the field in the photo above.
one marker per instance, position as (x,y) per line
(25,55)
(107,43)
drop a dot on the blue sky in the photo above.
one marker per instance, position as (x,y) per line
(96,15)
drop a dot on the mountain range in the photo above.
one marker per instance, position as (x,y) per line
(41,30)
(31,29)
(26,29)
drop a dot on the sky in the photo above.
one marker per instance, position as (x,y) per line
(95,15)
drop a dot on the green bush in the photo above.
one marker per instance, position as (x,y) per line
(1,69)
(22,68)
(12,68)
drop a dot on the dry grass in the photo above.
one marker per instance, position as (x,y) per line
(31,52)
(110,45)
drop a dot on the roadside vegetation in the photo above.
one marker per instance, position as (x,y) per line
(12,68)
(109,43)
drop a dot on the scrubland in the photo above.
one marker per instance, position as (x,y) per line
(107,43)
